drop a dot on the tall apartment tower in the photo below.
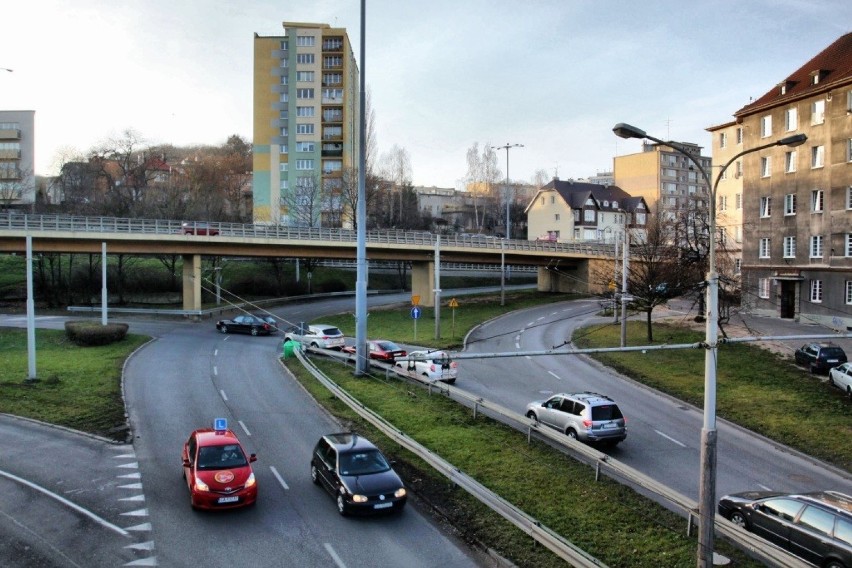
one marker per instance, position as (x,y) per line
(305,141)
(17,142)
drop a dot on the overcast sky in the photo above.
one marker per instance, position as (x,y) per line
(553,75)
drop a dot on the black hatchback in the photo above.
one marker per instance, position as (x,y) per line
(820,357)
(357,474)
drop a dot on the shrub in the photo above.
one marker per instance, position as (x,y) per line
(89,333)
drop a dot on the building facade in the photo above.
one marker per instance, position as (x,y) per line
(17,143)
(727,143)
(797,207)
(306,109)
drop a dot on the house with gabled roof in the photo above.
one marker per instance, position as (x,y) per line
(571,211)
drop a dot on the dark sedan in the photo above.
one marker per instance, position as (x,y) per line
(815,526)
(245,324)
(820,357)
(381,350)
(356,474)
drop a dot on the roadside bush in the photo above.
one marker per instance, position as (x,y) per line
(90,333)
(330,285)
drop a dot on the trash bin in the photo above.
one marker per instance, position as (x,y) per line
(289,347)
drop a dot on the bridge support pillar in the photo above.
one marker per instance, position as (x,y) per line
(575,278)
(423,282)
(192,282)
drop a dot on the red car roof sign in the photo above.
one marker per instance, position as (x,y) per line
(220,424)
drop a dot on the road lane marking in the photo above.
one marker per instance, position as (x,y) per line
(224,396)
(244,428)
(66,502)
(334,555)
(765,488)
(528,357)
(215,371)
(215,352)
(558,378)
(539,319)
(278,477)
(682,445)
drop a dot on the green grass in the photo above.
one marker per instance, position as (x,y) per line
(755,388)
(77,387)
(604,518)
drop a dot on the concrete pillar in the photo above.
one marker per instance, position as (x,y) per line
(576,277)
(423,282)
(192,282)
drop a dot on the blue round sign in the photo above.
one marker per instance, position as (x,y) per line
(415,312)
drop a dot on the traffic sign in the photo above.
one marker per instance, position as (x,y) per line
(415,312)
(220,424)
(415,300)
(454,303)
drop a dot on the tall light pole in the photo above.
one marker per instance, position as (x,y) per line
(506,147)
(6,69)
(707,486)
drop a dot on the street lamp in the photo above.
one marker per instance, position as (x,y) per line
(506,147)
(6,69)
(707,487)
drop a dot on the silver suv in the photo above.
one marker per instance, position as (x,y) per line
(317,336)
(584,416)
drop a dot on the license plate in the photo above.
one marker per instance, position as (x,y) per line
(233,499)
(383,506)
(832,360)
(607,425)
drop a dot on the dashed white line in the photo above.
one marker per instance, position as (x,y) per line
(215,352)
(682,445)
(765,488)
(334,555)
(244,428)
(215,371)
(279,478)
(558,378)
(224,396)
(539,319)
(532,323)
(528,357)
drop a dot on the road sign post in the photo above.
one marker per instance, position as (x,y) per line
(415,315)
(453,305)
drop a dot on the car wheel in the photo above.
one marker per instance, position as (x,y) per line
(224,329)
(531,415)
(849,392)
(341,505)
(739,519)
(834,564)
(315,475)
(314,345)
(571,433)
(831,379)
(254,331)
(812,368)
(451,382)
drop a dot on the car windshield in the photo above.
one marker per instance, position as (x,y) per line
(606,412)
(363,463)
(221,457)
(331,331)
(387,346)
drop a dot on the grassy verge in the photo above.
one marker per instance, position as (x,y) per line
(77,387)
(604,518)
(757,389)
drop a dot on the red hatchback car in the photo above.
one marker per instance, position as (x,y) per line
(217,470)
(381,350)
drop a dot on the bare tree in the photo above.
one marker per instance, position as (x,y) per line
(14,184)
(396,169)
(303,205)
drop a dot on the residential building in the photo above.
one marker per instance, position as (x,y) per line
(570,211)
(306,108)
(797,206)
(727,143)
(17,142)
(602,178)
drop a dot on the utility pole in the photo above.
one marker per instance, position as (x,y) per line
(625,260)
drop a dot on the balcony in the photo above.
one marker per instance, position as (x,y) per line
(10,154)
(10,134)
(332,45)
(332,150)
(10,174)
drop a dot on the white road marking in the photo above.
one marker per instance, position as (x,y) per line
(765,488)
(152,561)
(142,527)
(136,513)
(142,545)
(66,502)
(558,378)
(129,465)
(126,456)
(670,439)
(244,428)
(215,352)
(539,319)
(215,371)
(134,498)
(334,555)
(528,357)
(131,486)
(532,323)
(279,478)
(554,313)
(224,396)
(517,345)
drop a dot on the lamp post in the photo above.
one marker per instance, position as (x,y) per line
(707,486)
(6,69)
(506,147)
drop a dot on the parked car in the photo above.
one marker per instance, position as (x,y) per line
(318,336)
(815,526)
(245,323)
(435,366)
(217,470)
(584,416)
(356,474)
(198,228)
(820,357)
(380,349)
(841,377)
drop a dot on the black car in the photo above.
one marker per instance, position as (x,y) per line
(357,474)
(273,323)
(820,357)
(815,526)
(245,324)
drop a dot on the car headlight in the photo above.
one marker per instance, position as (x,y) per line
(399,492)
(200,485)
(359,498)
(250,481)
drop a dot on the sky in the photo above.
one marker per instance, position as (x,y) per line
(552,75)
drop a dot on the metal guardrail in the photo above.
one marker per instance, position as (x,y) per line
(45,223)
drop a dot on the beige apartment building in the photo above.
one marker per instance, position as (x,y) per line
(727,143)
(797,202)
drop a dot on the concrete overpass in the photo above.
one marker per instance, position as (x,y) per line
(562,267)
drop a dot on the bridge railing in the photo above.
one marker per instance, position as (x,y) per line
(44,223)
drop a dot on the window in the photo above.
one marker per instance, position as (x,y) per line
(848,246)
(304,164)
(723,139)
(817,156)
(305,111)
(766,166)
(817,519)
(766,126)
(763,288)
(738,233)
(738,265)
(849,197)
(556,217)
(789,247)
(304,129)
(305,58)
(332,62)
(305,146)
(333,95)
(283,184)
(818,112)
(816,291)
(283,166)
(790,161)
(791,119)
(305,76)
(849,292)
(332,78)
(816,246)
(331,166)
(305,41)
(790,204)
(723,202)
(765,206)
(284,79)
(738,173)
(304,93)
(849,150)
(552,199)
(284,148)
(283,131)
(588,215)
(817,200)
(283,97)
(849,101)
(763,252)
(739,135)
(739,200)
